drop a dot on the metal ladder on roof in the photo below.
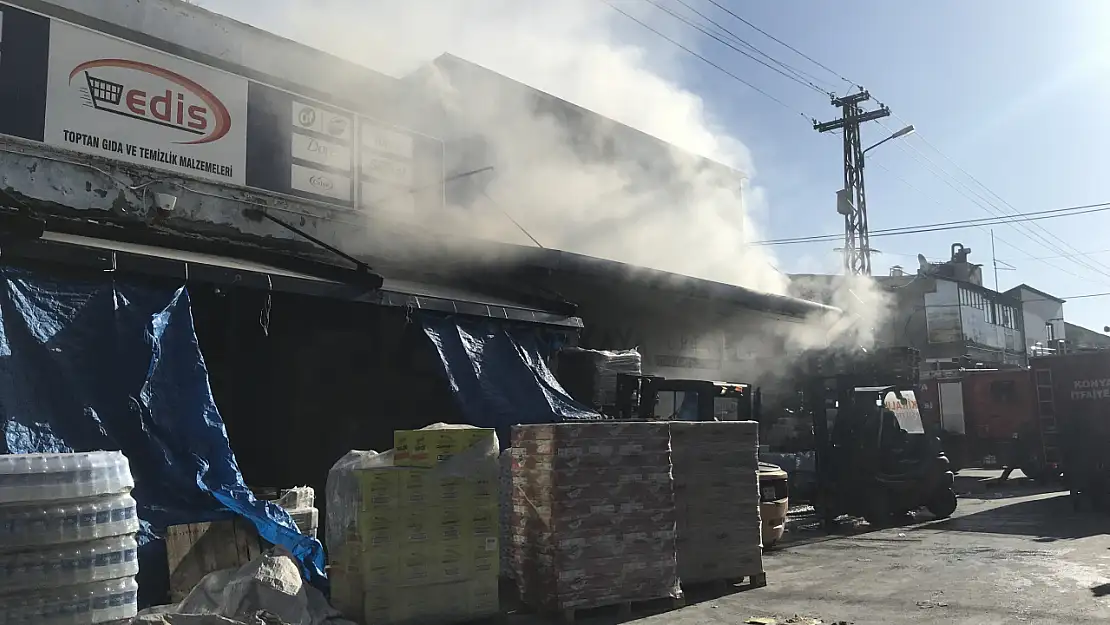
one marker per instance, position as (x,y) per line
(1046,415)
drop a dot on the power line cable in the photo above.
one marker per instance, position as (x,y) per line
(1077,257)
(1064,248)
(733,46)
(800,73)
(953,225)
(726,72)
(986,204)
(941,204)
(786,45)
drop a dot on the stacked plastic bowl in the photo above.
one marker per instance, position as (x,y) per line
(67,539)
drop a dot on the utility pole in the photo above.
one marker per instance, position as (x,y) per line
(994,261)
(851,200)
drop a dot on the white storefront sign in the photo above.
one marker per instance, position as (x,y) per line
(120,100)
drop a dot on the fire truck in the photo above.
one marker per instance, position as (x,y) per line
(987,418)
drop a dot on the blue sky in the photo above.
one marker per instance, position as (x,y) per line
(1013,91)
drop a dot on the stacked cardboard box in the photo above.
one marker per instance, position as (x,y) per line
(593,517)
(427,524)
(717,500)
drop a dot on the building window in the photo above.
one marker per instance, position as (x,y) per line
(1050,330)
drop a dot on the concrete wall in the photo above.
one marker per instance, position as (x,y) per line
(495,122)
(929,315)
(1039,311)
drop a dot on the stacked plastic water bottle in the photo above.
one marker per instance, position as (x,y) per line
(67,539)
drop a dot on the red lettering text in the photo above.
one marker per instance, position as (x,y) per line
(136,101)
(199,117)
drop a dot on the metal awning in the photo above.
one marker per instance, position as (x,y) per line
(125,257)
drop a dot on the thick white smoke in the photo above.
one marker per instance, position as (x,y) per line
(668,211)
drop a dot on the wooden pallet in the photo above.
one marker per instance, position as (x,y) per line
(727,585)
(625,609)
(198,549)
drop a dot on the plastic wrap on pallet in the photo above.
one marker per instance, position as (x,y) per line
(593,519)
(87,604)
(53,522)
(46,477)
(591,375)
(344,500)
(299,498)
(717,499)
(505,505)
(412,533)
(69,564)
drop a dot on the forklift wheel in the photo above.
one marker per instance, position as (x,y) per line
(943,503)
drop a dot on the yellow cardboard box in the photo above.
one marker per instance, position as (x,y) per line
(418,487)
(419,526)
(485,520)
(485,558)
(482,597)
(410,449)
(454,524)
(379,605)
(451,563)
(453,490)
(416,565)
(426,448)
(483,489)
(378,487)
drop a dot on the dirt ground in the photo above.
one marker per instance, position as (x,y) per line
(1013,553)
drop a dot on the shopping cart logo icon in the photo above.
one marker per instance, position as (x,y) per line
(103,91)
(155,95)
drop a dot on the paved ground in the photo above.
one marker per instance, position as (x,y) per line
(1011,554)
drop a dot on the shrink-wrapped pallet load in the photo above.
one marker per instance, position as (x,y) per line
(593,517)
(68,554)
(717,500)
(412,533)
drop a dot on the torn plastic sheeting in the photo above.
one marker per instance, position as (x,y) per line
(498,374)
(106,364)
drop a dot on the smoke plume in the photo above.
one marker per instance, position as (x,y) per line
(668,210)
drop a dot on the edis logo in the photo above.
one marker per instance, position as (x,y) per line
(156,95)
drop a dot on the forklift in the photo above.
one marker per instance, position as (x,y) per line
(874,458)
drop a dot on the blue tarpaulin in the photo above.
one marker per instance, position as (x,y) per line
(102,364)
(498,375)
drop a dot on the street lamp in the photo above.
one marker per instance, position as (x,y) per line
(897,135)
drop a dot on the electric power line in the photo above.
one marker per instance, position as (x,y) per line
(1063,248)
(986,205)
(952,225)
(800,73)
(1077,257)
(705,60)
(941,204)
(732,46)
(783,43)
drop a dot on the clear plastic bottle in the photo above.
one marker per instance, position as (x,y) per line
(87,604)
(45,477)
(28,525)
(69,564)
